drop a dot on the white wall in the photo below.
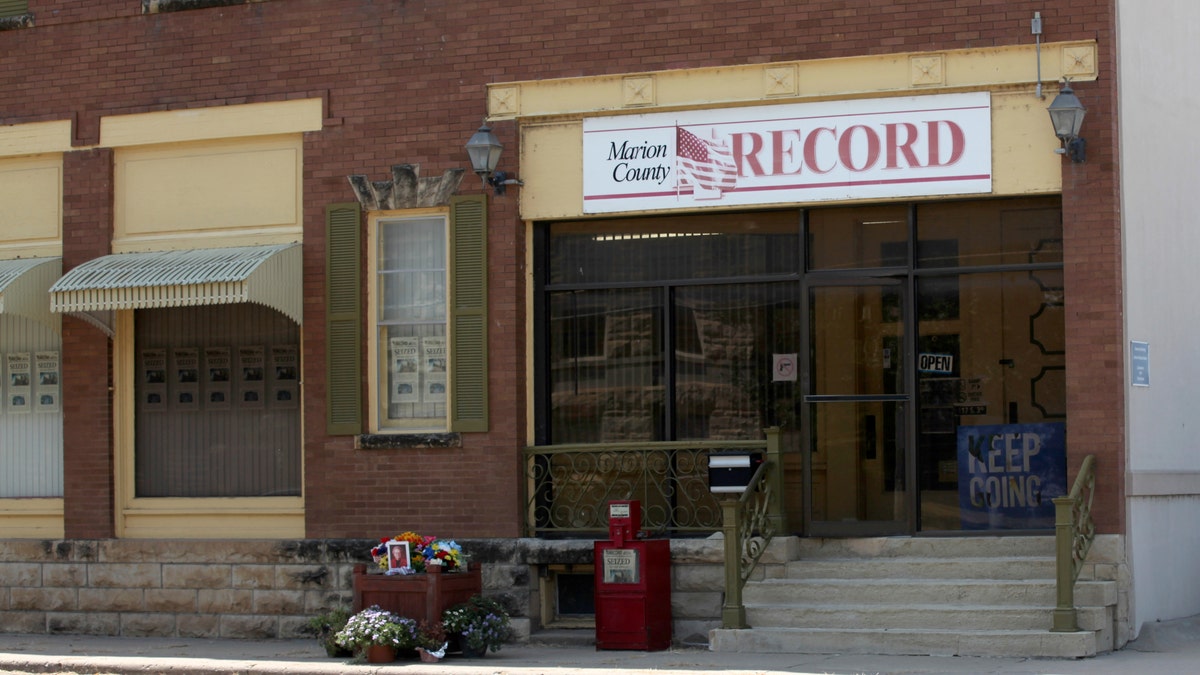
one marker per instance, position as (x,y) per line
(1160,191)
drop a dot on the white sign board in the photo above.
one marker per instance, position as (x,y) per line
(830,150)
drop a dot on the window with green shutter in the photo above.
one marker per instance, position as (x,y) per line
(14,7)
(343,378)
(428,318)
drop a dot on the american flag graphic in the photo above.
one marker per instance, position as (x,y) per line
(708,165)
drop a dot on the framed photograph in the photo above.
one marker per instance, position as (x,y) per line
(397,555)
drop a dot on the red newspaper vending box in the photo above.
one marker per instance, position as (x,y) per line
(633,584)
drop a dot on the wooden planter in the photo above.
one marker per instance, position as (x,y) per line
(420,597)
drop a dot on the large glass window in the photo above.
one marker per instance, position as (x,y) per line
(410,322)
(218,402)
(929,337)
(637,353)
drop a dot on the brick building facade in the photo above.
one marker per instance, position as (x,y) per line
(138,108)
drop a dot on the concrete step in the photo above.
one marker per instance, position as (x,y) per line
(928,548)
(920,617)
(1033,643)
(923,591)
(913,567)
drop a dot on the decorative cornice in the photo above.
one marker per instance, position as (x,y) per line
(877,75)
(406,189)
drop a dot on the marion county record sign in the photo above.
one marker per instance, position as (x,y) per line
(804,152)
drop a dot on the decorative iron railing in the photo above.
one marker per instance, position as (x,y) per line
(569,486)
(1073,532)
(751,520)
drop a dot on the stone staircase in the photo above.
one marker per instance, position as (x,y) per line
(963,596)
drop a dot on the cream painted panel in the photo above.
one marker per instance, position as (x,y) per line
(1023,157)
(35,138)
(31,191)
(31,519)
(1023,144)
(231,121)
(552,168)
(206,189)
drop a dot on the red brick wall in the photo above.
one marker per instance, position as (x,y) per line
(87,354)
(404,82)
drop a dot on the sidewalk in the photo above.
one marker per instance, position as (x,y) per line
(1172,647)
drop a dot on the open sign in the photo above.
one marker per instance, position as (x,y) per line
(935,363)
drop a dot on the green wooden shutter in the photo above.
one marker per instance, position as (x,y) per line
(468,314)
(14,7)
(343,356)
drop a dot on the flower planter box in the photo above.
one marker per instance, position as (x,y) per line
(416,596)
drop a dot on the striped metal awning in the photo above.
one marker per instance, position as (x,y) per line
(267,275)
(23,287)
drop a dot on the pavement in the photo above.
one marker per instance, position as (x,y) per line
(1168,647)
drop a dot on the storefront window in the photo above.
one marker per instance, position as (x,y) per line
(929,339)
(218,402)
(663,359)
(991,387)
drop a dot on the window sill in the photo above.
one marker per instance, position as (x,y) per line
(400,441)
(161,6)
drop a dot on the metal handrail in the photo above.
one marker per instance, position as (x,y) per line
(1074,531)
(568,485)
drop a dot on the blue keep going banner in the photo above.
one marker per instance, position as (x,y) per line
(1008,475)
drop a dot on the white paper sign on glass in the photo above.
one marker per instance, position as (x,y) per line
(804,152)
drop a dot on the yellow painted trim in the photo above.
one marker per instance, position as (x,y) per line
(197,124)
(235,518)
(182,518)
(551,112)
(251,194)
(39,518)
(849,77)
(31,192)
(374,423)
(35,138)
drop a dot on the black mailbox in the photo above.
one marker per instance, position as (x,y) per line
(732,471)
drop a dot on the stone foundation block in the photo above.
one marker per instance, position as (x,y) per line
(45,599)
(16,574)
(253,576)
(294,627)
(86,623)
(24,550)
(319,602)
(137,624)
(22,622)
(196,576)
(111,599)
(224,601)
(198,625)
(64,575)
(278,602)
(698,605)
(124,575)
(250,627)
(176,600)
(300,577)
(698,577)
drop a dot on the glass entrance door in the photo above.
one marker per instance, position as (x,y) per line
(856,408)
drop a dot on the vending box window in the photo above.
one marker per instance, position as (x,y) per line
(633,584)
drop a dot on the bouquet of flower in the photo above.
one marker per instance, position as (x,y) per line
(375,626)
(422,551)
(444,552)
